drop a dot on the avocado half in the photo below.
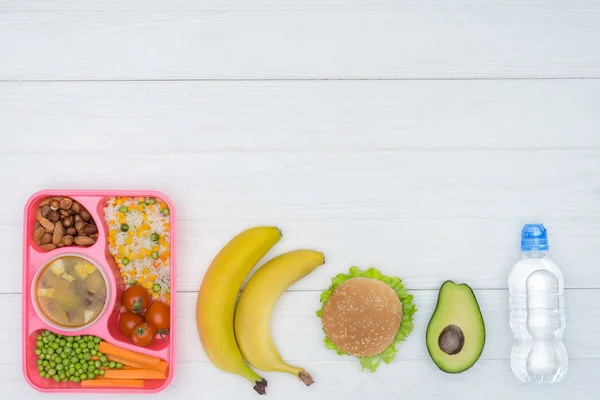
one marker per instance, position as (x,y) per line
(456,332)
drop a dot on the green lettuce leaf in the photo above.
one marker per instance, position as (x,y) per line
(406,325)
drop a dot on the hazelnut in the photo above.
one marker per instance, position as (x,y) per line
(64,213)
(46,238)
(85,215)
(77,217)
(67,240)
(76,207)
(94,236)
(53,216)
(89,230)
(68,221)
(72,231)
(65,203)
(45,210)
(79,225)
(54,204)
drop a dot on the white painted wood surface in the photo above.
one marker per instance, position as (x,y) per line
(265,112)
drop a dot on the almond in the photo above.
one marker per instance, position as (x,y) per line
(37,235)
(46,224)
(83,240)
(47,247)
(57,237)
(45,201)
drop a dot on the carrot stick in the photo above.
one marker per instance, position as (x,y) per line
(128,357)
(133,374)
(162,367)
(113,383)
(94,358)
(124,367)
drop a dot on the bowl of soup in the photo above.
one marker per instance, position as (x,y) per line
(70,292)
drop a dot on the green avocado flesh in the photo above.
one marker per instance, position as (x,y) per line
(456,332)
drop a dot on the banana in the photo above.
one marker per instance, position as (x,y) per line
(217,296)
(253,312)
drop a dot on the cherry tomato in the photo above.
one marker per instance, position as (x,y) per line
(128,321)
(158,315)
(143,334)
(136,299)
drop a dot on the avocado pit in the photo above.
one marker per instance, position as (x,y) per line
(451,340)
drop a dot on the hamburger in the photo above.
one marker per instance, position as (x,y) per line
(366,314)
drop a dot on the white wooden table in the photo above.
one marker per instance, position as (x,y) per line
(416,136)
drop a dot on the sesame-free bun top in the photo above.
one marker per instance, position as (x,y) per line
(362,316)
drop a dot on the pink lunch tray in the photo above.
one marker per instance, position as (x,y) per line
(106,326)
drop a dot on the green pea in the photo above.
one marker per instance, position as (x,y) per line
(77,366)
(101,372)
(50,351)
(52,337)
(79,371)
(45,363)
(83,377)
(57,359)
(125,260)
(45,340)
(143,203)
(168,291)
(51,371)
(62,375)
(64,380)
(60,367)
(166,211)
(119,365)
(74,360)
(39,361)
(91,368)
(55,345)
(156,288)
(87,356)
(75,345)
(52,364)
(78,351)
(75,379)
(69,338)
(91,345)
(93,352)
(123,209)
(124,227)
(97,340)
(77,338)
(151,200)
(99,354)
(38,352)
(97,347)
(68,351)
(132,282)
(155,237)
(39,344)
(48,357)
(112,364)
(91,375)
(154,255)
(56,378)
(63,342)
(98,364)
(71,371)
(40,368)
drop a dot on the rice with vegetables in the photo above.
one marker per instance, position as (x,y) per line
(139,239)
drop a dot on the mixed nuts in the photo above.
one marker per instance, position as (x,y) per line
(61,221)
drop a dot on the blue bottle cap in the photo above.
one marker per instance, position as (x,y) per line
(534,238)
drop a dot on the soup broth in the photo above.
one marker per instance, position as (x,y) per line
(71,291)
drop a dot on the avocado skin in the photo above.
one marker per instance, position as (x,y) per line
(451,298)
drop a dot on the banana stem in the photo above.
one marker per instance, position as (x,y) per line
(306,378)
(261,387)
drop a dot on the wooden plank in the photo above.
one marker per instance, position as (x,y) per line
(413,214)
(200,117)
(480,251)
(298,335)
(86,5)
(489,379)
(373,43)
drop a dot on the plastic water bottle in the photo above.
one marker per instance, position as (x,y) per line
(537,311)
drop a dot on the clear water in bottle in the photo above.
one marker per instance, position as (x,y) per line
(537,311)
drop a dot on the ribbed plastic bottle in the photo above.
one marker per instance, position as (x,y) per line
(537,311)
